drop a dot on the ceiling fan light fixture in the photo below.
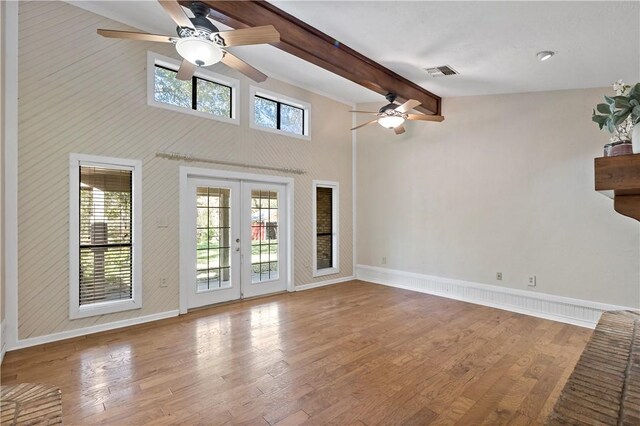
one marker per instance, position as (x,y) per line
(545,55)
(390,121)
(199,51)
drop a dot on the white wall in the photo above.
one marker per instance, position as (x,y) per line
(505,184)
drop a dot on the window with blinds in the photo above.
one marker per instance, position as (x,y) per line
(105,274)
(105,235)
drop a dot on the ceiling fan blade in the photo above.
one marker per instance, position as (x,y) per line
(255,35)
(186,70)
(407,106)
(365,124)
(239,65)
(130,35)
(425,117)
(399,130)
(176,12)
(365,112)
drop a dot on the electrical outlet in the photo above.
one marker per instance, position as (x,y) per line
(532,281)
(499,276)
(384,260)
(163,282)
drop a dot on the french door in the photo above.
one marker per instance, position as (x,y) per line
(235,242)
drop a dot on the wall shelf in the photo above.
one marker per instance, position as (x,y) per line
(619,178)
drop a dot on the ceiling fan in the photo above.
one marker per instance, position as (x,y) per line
(199,41)
(392,115)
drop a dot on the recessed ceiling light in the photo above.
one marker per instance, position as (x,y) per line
(545,54)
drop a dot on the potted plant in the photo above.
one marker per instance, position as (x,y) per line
(620,115)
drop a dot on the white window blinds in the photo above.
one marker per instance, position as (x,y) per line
(106,251)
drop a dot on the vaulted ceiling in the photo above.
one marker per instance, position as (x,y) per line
(491,44)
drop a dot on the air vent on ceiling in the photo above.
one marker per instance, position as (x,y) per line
(441,71)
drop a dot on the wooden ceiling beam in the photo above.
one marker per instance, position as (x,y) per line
(306,42)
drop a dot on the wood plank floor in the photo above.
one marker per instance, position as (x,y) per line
(348,354)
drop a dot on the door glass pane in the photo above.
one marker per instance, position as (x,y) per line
(264,236)
(213,237)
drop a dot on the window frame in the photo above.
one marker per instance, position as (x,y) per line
(335,211)
(75,309)
(171,64)
(279,99)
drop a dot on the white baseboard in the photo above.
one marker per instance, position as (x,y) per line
(579,312)
(323,283)
(3,343)
(33,341)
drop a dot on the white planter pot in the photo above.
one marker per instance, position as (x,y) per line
(635,138)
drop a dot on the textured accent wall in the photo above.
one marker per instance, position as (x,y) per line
(504,184)
(83,93)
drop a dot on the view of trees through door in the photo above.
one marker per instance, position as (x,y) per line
(213,238)
(264,235)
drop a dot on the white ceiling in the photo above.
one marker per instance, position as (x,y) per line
(491,44)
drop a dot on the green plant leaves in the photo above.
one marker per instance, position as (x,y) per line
(617,109)
(621,102)
(620,116)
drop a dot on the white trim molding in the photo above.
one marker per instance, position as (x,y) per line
(79,332)
(579,312)
(335,228)
(354,191)
(323,283)
(10,111)
(3,340)
(76,310)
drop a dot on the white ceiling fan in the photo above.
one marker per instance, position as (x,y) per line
(199,41)
(393,115)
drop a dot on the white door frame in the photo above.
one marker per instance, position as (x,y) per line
(198,172)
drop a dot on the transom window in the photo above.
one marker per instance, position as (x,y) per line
(198,94)
(206,94)
(276,113)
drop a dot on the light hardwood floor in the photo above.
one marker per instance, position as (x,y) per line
(348,354)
